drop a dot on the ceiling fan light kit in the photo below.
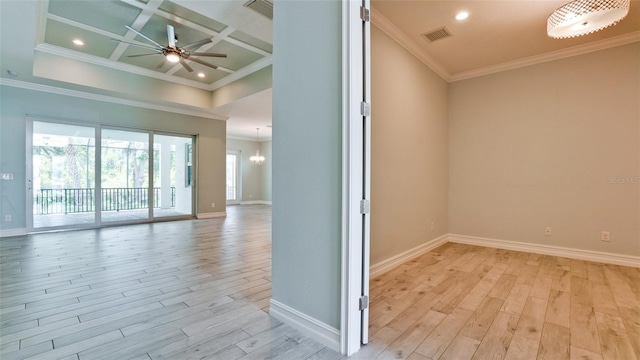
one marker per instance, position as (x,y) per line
(582,17)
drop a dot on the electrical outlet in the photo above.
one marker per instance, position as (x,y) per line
(433,224)
(7,218)
(213,205)
(604,236)
(547,231)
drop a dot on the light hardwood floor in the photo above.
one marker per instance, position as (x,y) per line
(176,290)
(467,302)
(200,290)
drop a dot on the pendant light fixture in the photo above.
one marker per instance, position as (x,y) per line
(257,158)
(582,17)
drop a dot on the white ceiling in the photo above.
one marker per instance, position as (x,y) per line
(498,35)
(248,114)
(99,23)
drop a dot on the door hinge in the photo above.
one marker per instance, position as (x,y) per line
(364,14)
(365,206)
(365,109)
(363,303)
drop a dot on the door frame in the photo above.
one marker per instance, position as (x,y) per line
(356,175)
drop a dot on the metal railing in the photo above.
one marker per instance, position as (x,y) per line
(231,193)
(69,201)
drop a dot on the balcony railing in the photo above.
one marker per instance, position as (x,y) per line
(69,201)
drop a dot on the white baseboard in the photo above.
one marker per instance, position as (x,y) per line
(212,215)
(12,232)
(597,256)
(315,329)
(392,262)
(256,202)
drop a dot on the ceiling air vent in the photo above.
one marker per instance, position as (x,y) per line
(263,7)
(437,34)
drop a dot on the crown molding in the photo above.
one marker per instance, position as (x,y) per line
(76,55)
(382,23)
(555,55)
(109,99)
(414,48)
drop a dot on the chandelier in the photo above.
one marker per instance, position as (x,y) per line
(582,17)
(257,158)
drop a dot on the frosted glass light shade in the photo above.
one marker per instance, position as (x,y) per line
(582,17)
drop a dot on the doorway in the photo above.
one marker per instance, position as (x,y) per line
(84,175)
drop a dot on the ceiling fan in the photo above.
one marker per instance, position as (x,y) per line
(172,52)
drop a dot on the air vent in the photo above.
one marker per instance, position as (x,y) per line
(437,34)
(263,7)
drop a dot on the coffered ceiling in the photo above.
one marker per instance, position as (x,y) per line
(98,23)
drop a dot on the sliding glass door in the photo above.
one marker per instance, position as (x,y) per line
(87,175)
(124,176)
(173,180)
(61,190)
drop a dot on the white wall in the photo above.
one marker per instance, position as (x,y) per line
(255,179)
(409,160)
(539,146)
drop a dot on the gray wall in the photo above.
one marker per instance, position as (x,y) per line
(538,146)
(16,104)
(307,157)
(409,150)
(256,179)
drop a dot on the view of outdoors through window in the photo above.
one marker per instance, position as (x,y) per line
(64,175)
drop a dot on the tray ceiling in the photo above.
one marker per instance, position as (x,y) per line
(96,23)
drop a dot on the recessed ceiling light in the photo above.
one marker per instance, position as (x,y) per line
(78,42)
(200,75)
(461,15)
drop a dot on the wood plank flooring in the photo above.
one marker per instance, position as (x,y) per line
(200,290)
(176,290)
(467,302)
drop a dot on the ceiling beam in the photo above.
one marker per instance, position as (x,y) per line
(138,23)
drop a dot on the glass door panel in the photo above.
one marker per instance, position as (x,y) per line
(63,175)
(232,178)
(172,176)
(125,176)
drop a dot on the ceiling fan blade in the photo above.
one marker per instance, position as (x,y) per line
(138,45)
(144,36)
(208,54)
(158,53)
(186,66)
(197,44)
(171,34)
(203,63)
